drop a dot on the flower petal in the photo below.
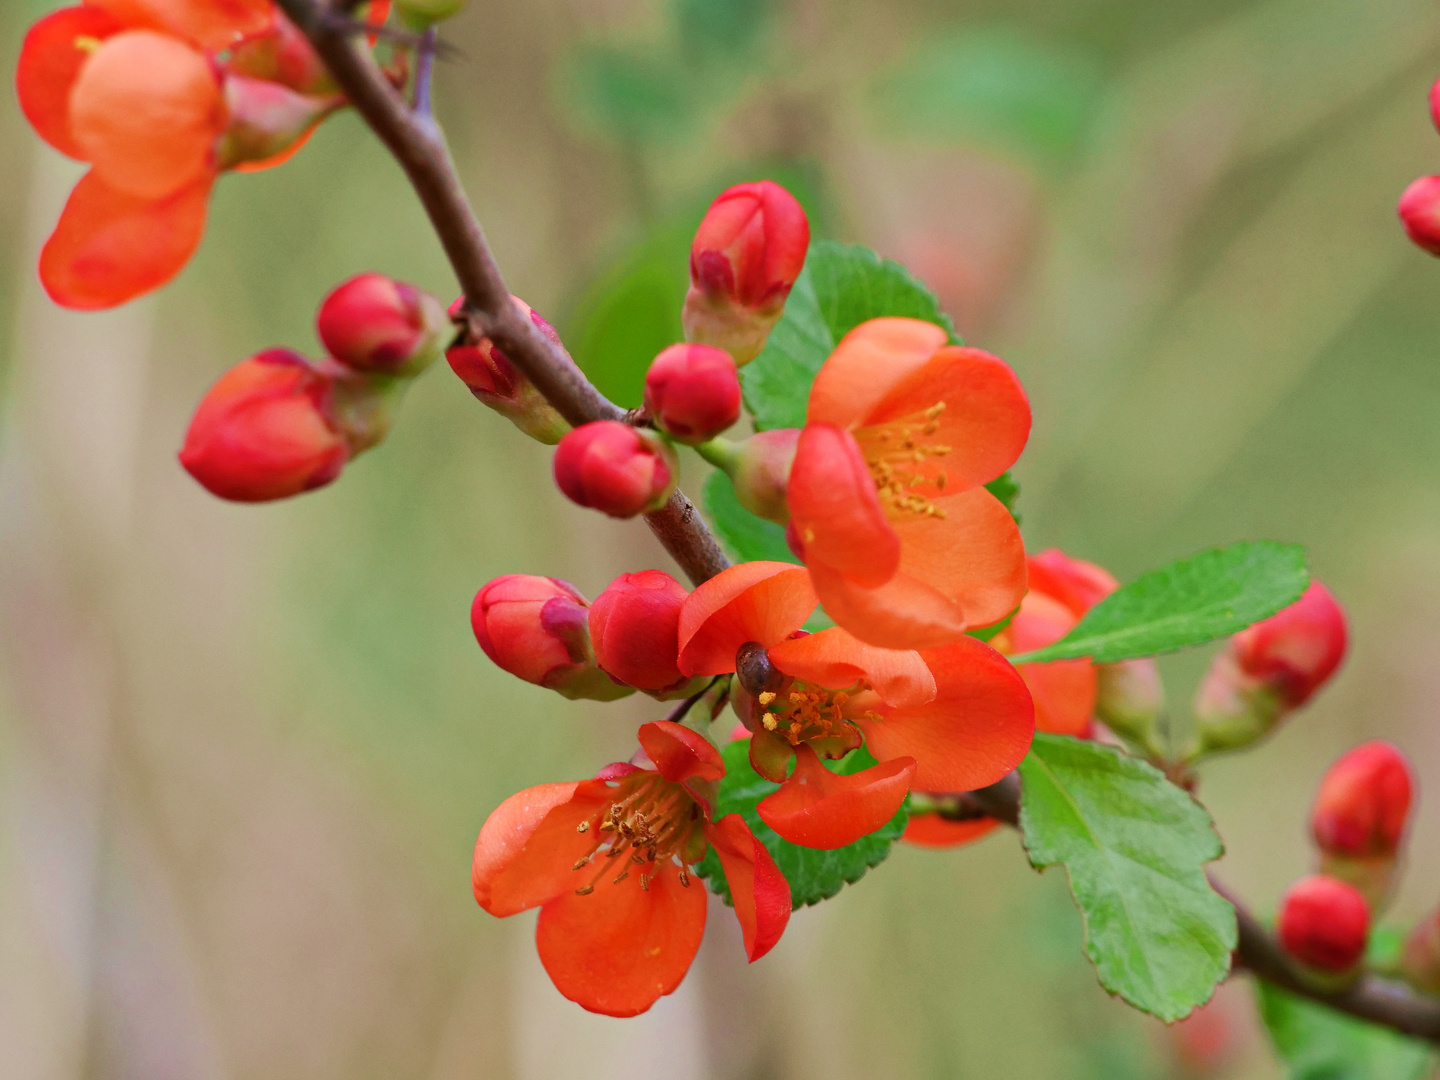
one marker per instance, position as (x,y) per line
(933,831)
(836,659)
(1077,584)
(529,845)
(1063,691)
(977,729)
(680,754)
(819,809)
(50,61)
(757,887)
(985,422)
(211,24)
(964,570)
(835,509)
(109,247)
(754,601)
(622,947)
(868,363)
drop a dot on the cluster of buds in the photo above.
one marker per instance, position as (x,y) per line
(160,99)
(278,424)
(1269,670)
(1357,822)
(1420,203)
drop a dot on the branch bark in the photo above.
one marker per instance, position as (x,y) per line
(418,145)
(1387,1002)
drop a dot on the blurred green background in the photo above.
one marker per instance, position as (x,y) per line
(245,751)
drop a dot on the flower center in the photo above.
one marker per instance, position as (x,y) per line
(899,454)
(651,824)
(803,712)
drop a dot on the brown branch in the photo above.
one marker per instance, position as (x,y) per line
(418,145)
(1379,1000)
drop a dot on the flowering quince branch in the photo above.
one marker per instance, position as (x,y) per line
(417,144)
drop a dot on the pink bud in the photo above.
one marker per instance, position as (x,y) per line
(747,253)
(1324,923)
(266,430)
(692,392)
(1129,697)
(760,472)
(1077,584)
(268,122)
(375,323)
(1435,103)
(1297,649)
(635,625)
(1420,958)
(496,382)
(1420,211)
(1363,802)
(537,628)
(616,469)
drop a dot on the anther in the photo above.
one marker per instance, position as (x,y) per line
(581,863)
(584,890)
(584,826)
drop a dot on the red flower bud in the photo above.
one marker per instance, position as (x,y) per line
(266,430)
(268,122)
(616,469)
(375,323)
(747,253)
(496,382)
(1362,804)
(1324,923)
(1420,212)
(760,471)
(692,392)
(1435,103)
(635,625)
(537,628)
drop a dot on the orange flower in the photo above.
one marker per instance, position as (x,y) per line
(1061,591)
(906,548)
(952,718)
(607,863)
(136,88)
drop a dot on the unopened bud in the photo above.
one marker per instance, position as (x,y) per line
(498,384)
(266,430)
(1420,957)
(537,628)
(759,470)
(1270,669)
(635,624)
(1434,97)
(747,253)
(1420,213)
(1324,923)
(616,469)
(267,119)
(377,324)
(692,392)
(1129,697)
(1359,817)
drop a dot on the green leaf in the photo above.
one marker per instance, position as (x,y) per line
(813,875)
(1318,1043)
(1134,847)
(747,537)
(841,287)
(991,87)
(1004,488)
(1189,602)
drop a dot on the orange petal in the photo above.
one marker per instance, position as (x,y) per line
(109,247)
(622,947)
(976,730)
(964,570)
(819,809)
(1077,584)
(55,50)
(836,659)
(754,601)
(757,887)
(528,847)
(1064,695)
(868,363)
(835,509)
(985,422)
(933,831)
(680,754)
(146,111)
(1041,621)
(211,24)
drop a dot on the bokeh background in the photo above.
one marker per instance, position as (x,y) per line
(245,751)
